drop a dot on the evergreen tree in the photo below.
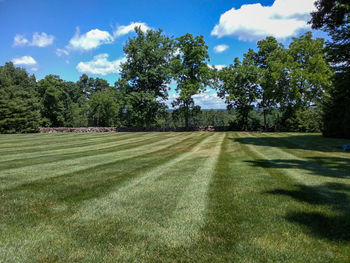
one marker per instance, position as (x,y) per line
(19,107)
(333,16)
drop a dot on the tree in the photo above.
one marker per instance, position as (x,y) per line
(19,106)
(265,58)
(309,76)
(146,74)
(104,108)
(62,102)
(297,78)
(309,70)
(333,16)
(191,72)
(239,87)
(330,14)
(53,100)
(89,86)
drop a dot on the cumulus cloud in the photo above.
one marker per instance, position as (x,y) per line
(42,40)
(100,65)
(254,21)
(90,40)
(220,48)
(24,61)
(124,30)
(20,40)
(38,40)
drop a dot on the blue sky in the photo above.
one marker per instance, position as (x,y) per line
(71,37)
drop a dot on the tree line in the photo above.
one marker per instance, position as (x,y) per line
(275,87)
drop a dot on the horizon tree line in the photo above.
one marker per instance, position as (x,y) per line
(291,83)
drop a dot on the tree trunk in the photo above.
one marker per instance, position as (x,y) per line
(186,120)
(148,125)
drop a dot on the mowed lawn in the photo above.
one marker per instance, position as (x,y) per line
(174,197)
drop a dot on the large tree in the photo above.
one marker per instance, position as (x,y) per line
(19,106)
(268,51)
(146,74)
(191,72)
(239,87)
(333,16)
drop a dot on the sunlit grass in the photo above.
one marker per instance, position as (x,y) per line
(174,197)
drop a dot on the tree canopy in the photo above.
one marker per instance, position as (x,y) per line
(272,87)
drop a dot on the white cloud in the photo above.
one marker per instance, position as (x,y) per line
(38,40)
(218,67)
(100,65)
(124,30)
(20,40)
(209,100)
(254,21)
(42,40)
(220,48)
(25,61)
(60,52)
(90,40)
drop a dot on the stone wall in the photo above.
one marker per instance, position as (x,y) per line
(81,129)
(129,129)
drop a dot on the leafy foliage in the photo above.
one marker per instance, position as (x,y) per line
(146,74)
(191,72)
(240,87)
(104,108)
(19,107)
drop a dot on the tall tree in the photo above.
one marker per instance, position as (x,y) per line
(309,75)
(19,106)
(268,51)
(239,86)
(146,73)
(191,72)
(333,16)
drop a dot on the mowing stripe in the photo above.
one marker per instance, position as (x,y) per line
(56,138)
(63,143)
(189,217)
(15,177)
(127,201)
(101,207)
(109,145)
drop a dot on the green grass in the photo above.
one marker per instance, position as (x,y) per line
(174,197)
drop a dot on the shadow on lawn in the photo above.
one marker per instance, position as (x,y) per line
(306,142)
(323,166)
(332,195)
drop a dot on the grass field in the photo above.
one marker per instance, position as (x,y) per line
(174,197)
